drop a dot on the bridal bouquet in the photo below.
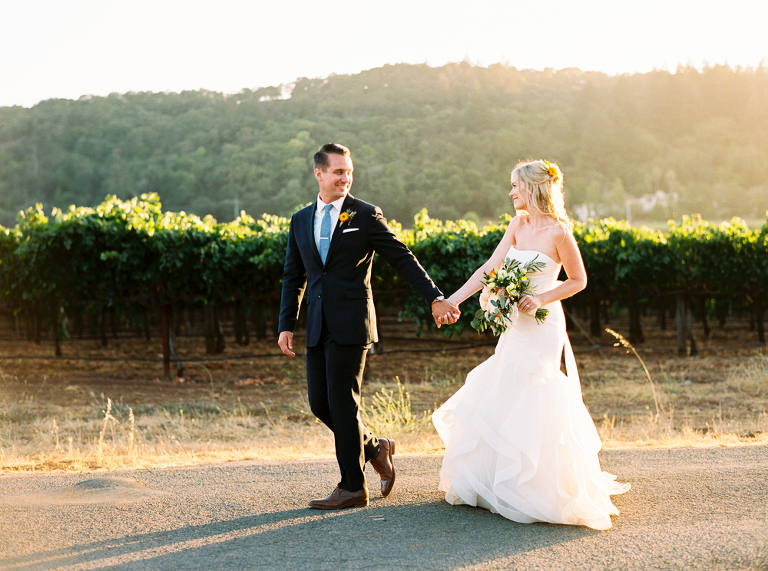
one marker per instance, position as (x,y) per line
(504,287)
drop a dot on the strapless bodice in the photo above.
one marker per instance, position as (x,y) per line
(543,280)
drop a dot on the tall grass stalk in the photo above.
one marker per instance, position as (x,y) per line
(624,343)
(131,435)
(56,433)
(107,416)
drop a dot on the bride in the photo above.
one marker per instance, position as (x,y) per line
(518,439)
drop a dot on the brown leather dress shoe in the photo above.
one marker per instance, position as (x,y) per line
(340,499)
(384,466)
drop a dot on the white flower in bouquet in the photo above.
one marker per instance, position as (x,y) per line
(484,297)
(514,313)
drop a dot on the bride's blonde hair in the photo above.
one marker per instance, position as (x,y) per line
(543,189)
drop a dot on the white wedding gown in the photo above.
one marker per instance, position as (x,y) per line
(518,439)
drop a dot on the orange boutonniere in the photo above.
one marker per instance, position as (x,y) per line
(346,216)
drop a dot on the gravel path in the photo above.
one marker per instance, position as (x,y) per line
(688,509)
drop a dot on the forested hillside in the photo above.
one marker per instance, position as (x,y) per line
(441,138)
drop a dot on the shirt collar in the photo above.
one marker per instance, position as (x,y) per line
(337,204)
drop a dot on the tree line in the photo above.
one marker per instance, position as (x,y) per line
(442,138)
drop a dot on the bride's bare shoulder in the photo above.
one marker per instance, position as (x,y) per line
(557,233)
(512,229)
(517,221)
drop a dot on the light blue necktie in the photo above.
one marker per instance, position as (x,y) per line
(325,233)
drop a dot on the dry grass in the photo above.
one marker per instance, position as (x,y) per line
(113,436)
(117,437)
(72,419)
(730,411)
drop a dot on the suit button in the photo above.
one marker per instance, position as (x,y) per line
(319,295)
(324,273)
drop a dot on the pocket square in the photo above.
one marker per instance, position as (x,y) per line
(349,230)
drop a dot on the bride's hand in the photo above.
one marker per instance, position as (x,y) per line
(448,317)
(529,303)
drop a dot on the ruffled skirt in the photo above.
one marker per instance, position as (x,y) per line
(519,440)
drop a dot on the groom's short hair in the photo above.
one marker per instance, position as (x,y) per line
(321,156)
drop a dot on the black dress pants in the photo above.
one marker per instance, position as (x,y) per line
(334,382)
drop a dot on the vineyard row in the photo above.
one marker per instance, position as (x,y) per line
(132,258)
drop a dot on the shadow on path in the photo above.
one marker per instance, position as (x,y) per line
(430,535)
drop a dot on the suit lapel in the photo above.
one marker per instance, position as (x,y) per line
(347,204)
(310,224)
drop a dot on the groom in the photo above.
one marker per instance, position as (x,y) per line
(329,257)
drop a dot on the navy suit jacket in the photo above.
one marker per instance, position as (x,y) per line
(341,289)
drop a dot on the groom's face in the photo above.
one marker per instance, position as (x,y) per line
(336,180)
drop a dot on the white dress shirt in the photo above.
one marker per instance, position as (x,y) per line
(334,214)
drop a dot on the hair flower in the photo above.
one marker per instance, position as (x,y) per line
(551,169)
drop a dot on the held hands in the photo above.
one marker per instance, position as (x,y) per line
(529,304)
(445,313)
(285,340)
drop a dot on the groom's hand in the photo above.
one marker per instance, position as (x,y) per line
(285,340)
(445,313)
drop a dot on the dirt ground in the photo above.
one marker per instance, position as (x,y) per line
(699,389)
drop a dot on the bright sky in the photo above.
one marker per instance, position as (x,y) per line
(70,48)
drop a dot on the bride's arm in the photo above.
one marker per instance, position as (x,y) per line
(573,265)
(474,283)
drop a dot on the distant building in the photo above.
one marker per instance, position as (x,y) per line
(647,203)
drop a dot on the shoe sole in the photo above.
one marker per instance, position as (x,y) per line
(392,482)
(353,505)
